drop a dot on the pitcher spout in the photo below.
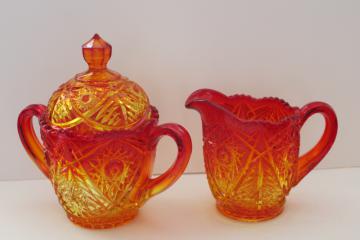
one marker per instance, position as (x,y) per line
(203,95)
(207,102)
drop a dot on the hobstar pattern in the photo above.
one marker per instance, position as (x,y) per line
(251,150)
(99,137)
(99,182)
(251,168)
(98,99)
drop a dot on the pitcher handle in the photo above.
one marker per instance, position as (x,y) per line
(312,158)
(28,137)
(183,141)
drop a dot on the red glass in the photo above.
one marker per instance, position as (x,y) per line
(98,99)
(251,150)
(101,181)
(99,136)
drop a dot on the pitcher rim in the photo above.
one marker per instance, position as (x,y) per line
(220,101)
(292,116)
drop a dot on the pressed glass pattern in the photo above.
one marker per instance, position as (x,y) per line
(98,99)
(251,150)
(99,136)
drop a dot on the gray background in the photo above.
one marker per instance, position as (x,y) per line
(301,51)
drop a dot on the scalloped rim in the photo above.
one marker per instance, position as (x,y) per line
(295,115)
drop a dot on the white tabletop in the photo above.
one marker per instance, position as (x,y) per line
(326,205)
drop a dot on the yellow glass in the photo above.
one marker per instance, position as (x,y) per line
(99,137)
(251,150)
(98,99)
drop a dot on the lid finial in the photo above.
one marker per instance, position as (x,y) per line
(96,52)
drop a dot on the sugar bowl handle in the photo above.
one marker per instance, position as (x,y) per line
(28,137)
(183,141)
(312,158)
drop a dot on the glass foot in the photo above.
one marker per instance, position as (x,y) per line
(247,215)
(104,222)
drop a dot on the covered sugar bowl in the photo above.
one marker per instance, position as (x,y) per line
(99,135)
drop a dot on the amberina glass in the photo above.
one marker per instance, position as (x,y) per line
(99,136)
(251,150)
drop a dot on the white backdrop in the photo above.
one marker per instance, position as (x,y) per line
(301,51)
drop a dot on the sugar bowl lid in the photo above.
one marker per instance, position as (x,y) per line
(98,99)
